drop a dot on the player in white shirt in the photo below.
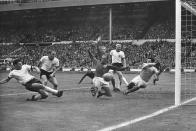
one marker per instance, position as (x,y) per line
(118,60)
(48,66)
(141,81)
(22,75)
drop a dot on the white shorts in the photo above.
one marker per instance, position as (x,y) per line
(99,82)
(138,81)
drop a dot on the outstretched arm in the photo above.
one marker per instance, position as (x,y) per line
(82,78)
(5,80)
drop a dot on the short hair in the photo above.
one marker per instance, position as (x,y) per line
(16,61)
(51,52)
(118,45)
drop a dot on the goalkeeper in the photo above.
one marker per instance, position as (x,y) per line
(141,80)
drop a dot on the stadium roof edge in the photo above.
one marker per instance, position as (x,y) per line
(65,3)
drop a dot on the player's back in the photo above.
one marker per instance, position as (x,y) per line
(100,70)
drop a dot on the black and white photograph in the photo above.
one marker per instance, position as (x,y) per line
(97,65)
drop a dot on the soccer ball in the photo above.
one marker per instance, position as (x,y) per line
(107,76)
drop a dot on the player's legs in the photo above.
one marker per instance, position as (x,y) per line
(44,79)
(36,86)
(121,78)
(42,95)
(43,87)
(54,82)
(132,87)
(50,90)
(114,85)
(113,81)
(135,85)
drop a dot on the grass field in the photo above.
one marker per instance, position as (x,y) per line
(77,110)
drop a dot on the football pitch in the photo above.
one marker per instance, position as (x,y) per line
(77,110)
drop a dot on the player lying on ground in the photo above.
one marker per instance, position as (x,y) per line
(141,80)
(89,73)
(21,74)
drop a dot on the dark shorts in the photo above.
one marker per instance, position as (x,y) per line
(47,74)
(29,86)
(119,65)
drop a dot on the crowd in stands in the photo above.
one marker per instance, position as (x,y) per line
(75,55)
(128,23)
(161,30)
(84,32)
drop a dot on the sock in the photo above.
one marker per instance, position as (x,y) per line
(48,89)
(124,79)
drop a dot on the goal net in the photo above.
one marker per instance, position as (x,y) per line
(188,52)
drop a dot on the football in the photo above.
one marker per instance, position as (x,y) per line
(107,76)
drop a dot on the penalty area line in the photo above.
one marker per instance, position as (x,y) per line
(131,122)
(25,93)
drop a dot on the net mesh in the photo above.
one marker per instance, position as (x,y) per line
(188,60)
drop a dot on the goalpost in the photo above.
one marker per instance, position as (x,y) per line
(178,54)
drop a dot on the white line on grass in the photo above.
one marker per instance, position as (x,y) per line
(24,93)
(130,122)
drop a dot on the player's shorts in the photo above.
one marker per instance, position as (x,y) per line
(138,81)
(99,82)
(46,73)
(29,86)
(117,64)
